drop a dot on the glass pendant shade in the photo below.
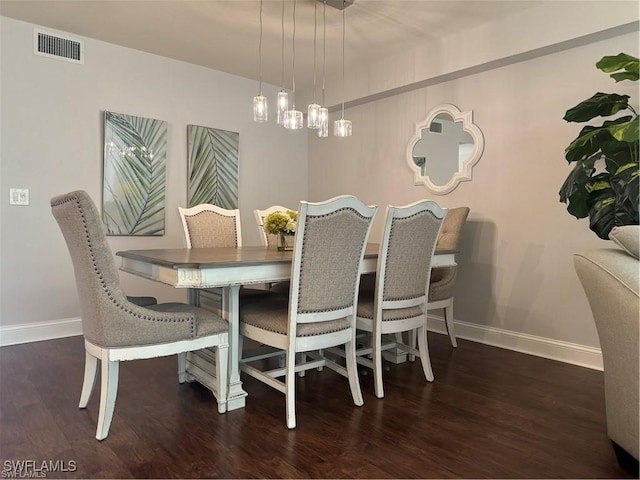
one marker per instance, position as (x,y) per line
(293,119)
(323,127)
(342,128)
(313,116)
(260,109)
(283,106)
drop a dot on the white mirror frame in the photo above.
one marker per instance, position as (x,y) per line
(468,126)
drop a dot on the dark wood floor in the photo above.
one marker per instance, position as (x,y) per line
(490,413)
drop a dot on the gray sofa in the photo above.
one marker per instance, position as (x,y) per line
(610,278)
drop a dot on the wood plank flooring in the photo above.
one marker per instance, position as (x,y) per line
(490,413)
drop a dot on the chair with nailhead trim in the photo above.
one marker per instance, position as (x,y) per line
(443,278)
(398,302)
(319,313)
(211,226)
(116,329)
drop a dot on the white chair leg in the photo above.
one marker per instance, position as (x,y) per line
(90,377)
(411,338)
(290,388)
(448,320)
(222,374)
(376,345)
(423,346)
(302,357)
(352,372)
(182,367)
(108,392)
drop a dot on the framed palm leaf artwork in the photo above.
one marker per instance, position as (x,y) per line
(213,167)
(135,158)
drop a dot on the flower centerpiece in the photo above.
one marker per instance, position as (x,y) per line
(282,224)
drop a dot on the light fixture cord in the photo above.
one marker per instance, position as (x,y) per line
(260,48)
(315,24)
(324,44)
(343,9)
(282,82)
(293,63)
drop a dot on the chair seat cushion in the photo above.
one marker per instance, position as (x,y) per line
(271,312)
(207,323)
(365,309)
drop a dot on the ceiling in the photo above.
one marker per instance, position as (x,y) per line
(224,34)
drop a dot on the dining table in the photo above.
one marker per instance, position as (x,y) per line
(229,268)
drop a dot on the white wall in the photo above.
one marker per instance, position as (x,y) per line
(52,142)
(516,277)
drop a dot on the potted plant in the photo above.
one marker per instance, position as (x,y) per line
(604,181)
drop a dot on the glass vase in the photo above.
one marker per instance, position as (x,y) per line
(286,242)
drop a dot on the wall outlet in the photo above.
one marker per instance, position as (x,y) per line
(18,196)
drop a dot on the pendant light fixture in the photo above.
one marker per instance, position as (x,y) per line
(260,112)
(293,119)
(342,127)
(283,97)
(313,111)
(323,128)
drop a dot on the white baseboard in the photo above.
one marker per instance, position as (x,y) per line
(36,332)
(566,352)
(520,342)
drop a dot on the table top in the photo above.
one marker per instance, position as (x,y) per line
(203,257)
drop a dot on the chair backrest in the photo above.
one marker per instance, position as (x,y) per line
(451,230)
(268,239)
(330,240)
(208,226)
(404,263)
(97,279)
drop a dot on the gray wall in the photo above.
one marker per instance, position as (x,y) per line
(516,287)
(52,142)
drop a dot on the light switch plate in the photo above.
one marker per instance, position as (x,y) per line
(18,196)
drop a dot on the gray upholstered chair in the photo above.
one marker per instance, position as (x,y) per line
(398,302)
(117,329)
(443,278)
(610,278)
(320,311)
(210,226)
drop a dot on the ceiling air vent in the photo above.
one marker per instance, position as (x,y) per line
(55,45)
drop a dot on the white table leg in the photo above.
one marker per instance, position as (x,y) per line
(231,300)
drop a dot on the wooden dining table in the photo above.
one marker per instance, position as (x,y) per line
(229,268)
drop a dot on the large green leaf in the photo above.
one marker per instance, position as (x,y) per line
(627,63)
(593,139)
(626,186)
(213,167)
(625,131)
(613,200)
(600,104)
(134,175)
(602,212)
(574,191)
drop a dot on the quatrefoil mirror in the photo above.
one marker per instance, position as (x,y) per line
(444,149)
